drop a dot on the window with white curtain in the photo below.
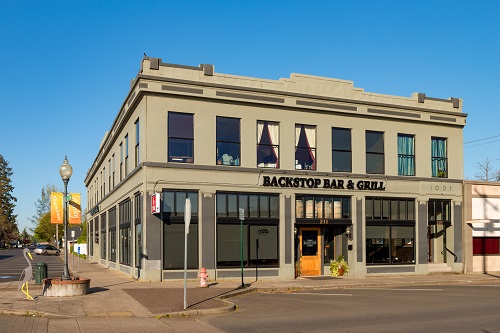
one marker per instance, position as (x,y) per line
(305,147)
(267,144)
(406,155)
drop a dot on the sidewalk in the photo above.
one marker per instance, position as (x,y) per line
(113,294)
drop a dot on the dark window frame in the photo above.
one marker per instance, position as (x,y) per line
(188,156)
(174,220)
(263,221)
(223,141)
(138,229)
(263,147)
(372,152)
(302,216)
(301,150)
(336,149)
(402,171)
(434,206)
(137,157)
(436,159)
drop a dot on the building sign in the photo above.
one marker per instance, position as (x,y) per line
(155,203)
(94,210)
(329,183)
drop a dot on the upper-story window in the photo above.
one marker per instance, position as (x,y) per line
(268,144)
(121,161)
(109,175)
(375,152)
(180,137)
(305,147)
(228,141)
(439,159)
(341,150)
(137,140)
(113,160)
(406,155)
(103,181)
(126,154)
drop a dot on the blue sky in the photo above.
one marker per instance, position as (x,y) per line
(66,65)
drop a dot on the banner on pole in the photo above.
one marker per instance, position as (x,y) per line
(56,207)
(75,209)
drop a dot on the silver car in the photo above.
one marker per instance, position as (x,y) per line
(47,249)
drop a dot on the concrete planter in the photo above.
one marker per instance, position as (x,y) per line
(62,288)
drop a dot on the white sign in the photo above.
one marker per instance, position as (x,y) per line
(72,233)
(155,203)
(242,214)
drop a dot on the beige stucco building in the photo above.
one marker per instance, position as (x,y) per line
(481,245)
(319,167)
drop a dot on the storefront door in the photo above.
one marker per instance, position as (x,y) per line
(310,259)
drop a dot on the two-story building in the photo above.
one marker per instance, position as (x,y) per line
(284,175)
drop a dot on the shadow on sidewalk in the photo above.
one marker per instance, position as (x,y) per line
(97,290)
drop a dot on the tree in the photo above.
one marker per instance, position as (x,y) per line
(45,231)
(486,172)
(8,220)
(42,205)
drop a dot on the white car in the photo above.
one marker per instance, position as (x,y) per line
(47,249)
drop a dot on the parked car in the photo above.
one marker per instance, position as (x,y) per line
(47,249)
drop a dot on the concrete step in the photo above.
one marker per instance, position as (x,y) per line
(438,268)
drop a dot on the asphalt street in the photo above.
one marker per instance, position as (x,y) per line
(12,263)
(443,308)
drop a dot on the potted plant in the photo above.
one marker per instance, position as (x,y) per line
(339,267)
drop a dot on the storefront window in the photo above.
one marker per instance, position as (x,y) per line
(174,227)
(138,229)
(260,230)
(125,216)
(102,236)
(112,234)
(390,231)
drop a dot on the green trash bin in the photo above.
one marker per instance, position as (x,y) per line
(40,272)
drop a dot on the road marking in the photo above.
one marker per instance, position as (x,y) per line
(399,289)
(319,294)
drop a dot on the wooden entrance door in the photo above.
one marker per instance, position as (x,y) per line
(310,258)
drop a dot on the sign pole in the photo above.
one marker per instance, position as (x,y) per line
(242,217)
(187,220)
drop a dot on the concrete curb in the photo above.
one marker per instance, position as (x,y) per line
(191,313)
(31,313)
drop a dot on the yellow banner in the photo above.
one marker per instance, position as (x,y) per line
(56,207)
(75,209)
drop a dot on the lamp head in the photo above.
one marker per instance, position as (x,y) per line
(65,170)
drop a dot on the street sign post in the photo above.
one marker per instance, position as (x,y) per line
(187,221)
(242,217)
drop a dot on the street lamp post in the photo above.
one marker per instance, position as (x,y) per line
(65,170)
